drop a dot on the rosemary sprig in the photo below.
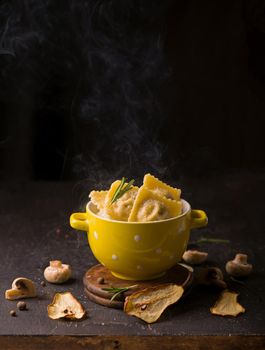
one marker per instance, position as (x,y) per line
(212,240)
(117,291)
(121,189)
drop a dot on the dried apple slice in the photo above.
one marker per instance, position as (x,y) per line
(227,305)
(65,305)
(148,304)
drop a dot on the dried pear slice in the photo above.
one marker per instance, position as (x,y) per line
(98,198)
(65,305)
(148,304)
(160,188)
(227,305)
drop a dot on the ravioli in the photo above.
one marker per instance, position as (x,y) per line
(98,198)
(160,188)
(121,208)
(151,206)
(154,201)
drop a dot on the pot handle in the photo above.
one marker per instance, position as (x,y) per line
(79,221)
(198,218)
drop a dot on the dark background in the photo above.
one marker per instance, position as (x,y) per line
(102,89)
(94,90)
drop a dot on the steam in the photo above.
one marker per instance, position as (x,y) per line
(104,63)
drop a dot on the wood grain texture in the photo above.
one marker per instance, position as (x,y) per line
(95,291)
(132,343)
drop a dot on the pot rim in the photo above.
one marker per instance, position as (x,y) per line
(186,205)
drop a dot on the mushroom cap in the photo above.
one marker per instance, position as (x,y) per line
(57,272)
(238,270)
(239,267)
(194,257)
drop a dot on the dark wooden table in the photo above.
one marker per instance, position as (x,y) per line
(34,228)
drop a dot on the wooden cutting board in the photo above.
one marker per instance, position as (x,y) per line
(178,274)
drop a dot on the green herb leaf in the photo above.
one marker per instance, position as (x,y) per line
(121,189)
(117,291)
(212,240)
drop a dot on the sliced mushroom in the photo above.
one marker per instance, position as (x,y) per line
(21,288)
(210,276)
(227,305)
(57,272)
(239,267)
(65,305)
(194,257)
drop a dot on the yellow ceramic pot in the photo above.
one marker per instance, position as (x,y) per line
(138,250)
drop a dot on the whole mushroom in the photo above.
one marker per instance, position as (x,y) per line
(239,267)
(21,288)
(210,276)
(57,272)
(194,257)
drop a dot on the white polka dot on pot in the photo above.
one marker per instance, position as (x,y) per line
(137,238)
(96,234)
(139,267)
(158,251)
(114,257)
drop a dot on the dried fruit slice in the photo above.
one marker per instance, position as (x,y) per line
(149,303)
(65,305)
(227,305)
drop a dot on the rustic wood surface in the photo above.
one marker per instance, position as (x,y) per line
(133,342)
(34,228)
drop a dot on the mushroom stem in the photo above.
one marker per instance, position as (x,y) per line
(56,263)
(241,259)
